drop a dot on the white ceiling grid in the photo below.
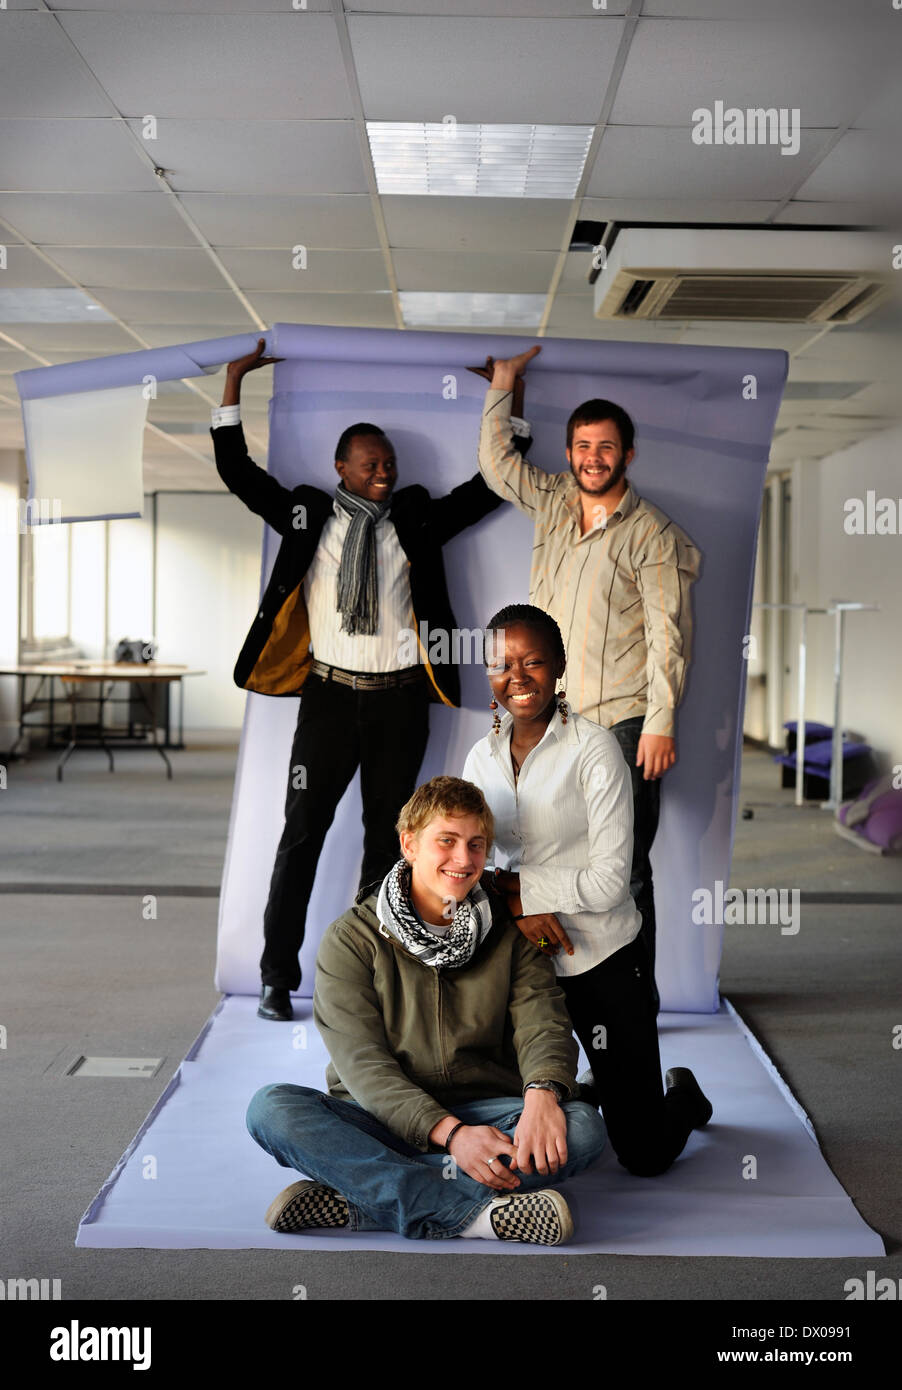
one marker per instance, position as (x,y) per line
(260,114)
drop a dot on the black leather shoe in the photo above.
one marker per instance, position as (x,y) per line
(681,1078)
(275,1004)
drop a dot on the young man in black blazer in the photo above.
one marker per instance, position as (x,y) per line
(356,571)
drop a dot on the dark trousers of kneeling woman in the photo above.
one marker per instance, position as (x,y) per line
(613,1010)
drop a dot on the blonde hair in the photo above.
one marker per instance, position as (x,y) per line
(446,796)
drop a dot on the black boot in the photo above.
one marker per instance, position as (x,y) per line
(275,1004)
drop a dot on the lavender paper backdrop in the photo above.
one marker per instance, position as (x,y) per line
(701,455)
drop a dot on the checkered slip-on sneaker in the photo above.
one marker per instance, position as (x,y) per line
(543,1218)
(305,1204)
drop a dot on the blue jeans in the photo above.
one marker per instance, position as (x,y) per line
(388,1185)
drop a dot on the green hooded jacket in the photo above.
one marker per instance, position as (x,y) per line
(408,1041)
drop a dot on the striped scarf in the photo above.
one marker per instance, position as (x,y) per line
(470,925)
(358,591)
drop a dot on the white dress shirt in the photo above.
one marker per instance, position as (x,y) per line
(566,826)
(384,650)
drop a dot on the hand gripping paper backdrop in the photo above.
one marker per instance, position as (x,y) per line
(704,419)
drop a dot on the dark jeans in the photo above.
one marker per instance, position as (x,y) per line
(384,733)
(646,810)
(388,1185)
(613,1014)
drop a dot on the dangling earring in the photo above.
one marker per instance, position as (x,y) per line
(496,722)
(563,708)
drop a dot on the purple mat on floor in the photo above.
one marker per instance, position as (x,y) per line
(212,1183)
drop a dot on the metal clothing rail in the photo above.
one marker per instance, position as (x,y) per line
(838,608)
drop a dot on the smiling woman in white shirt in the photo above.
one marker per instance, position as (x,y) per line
(560,793)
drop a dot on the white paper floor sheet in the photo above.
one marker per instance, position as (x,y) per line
(753,1183)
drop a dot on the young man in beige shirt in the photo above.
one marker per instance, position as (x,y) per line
(615,573)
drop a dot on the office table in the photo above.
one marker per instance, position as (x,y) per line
(144,677)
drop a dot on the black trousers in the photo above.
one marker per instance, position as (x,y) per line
(613,1013)
(646,812)
(384,733)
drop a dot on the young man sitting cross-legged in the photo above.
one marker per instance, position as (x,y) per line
(451,1054)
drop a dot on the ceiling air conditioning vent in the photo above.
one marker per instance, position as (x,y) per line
(742,276)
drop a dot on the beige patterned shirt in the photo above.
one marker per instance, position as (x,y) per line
(619,593)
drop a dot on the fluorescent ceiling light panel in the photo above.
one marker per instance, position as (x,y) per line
(50,306)
(435,307)
(478,161)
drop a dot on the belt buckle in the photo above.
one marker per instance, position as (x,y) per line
(353,682)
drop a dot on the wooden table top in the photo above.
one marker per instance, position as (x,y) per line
(102,670)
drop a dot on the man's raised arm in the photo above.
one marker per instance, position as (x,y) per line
(500,461)
(256,489)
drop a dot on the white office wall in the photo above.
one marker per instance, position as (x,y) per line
(828,563)
(130,588)
(10,470)
(208,584)
(87,588)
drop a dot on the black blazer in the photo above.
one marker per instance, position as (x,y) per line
(276,658)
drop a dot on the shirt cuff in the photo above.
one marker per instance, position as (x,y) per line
(226,415)
(659,722)
(520,427)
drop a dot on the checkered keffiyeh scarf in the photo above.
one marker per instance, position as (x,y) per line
(469,927)
(358,590)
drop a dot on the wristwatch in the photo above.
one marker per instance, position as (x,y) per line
(559,1093)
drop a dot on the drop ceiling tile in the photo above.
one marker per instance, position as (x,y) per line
(864,165)
(166,335)
(26,270)
(884,110)
(822,10)
(96,219)
(572,316)
(263,156)
(526,9)
(881,397)
(14,359)
(805,368)
(354,310)
(676,66)
(173,306)
(55,155)
(575,280)
(166,6)
(89,338)
(507,70)
(40,72)
(749,335)
(189,6)
(517,272)
(639,209)
(859,346)
(287,65)
(812,214)
(475,224)
(336,271)
(333,221)
(633,159)
(139,269)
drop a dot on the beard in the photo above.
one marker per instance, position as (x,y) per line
(603,485)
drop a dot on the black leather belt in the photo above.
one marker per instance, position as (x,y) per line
(362,680)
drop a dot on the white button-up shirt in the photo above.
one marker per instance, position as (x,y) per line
(566,826)
(387,649)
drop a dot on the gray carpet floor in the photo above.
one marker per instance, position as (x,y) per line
(83,972)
